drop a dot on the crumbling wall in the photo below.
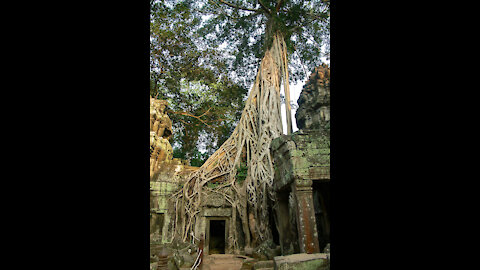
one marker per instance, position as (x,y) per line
(314,102)
(160,134)
(300,159)
(167,174)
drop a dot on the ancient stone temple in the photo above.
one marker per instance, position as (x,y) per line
(298,215)
(166,172)
(302,172)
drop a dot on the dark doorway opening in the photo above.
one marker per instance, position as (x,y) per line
(273,227)
(321,202)
(217,237)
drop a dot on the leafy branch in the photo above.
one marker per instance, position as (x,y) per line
(234,6)
(199,117)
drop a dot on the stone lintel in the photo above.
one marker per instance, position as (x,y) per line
(319,173)
(217,212)
(214,201)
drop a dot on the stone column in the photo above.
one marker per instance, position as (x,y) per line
(306,224)
(166,233)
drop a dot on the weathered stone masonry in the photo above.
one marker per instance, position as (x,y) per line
(300,184)
(302,171)
(166,172)
(300,159)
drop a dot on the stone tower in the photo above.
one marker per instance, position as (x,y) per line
(166,173)
(160,134)
(313,111)
(302,171)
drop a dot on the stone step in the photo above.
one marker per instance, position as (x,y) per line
(303,261)
(263,264)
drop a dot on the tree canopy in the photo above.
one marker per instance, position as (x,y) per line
(204,104)
(247,26)
(204,56)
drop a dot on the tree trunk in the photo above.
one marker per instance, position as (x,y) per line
(259,124)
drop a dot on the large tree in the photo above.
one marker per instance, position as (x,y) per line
(204,56)
(277,33)
(247,28)
(204,103)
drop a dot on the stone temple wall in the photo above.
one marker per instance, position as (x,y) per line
(166,173)
(302,171)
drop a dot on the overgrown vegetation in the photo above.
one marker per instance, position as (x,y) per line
(230,45)
(204,55)
(242,170)
(204,103)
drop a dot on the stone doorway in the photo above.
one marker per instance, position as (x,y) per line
(216,241)
(274,226)
(321,203)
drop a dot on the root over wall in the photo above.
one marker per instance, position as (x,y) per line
(248,145)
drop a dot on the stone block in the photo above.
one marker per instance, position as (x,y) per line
(302,261)
(319,173)
(215,200)
(263,264)
(217,212)
(247,265)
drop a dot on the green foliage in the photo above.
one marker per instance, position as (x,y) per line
(247,30)
(204,57)
(242,170)
(204,103)
(196,159)
(212,185)
(327,127)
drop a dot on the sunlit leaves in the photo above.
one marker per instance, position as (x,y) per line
(218,47)
(193,78)
(247,34)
